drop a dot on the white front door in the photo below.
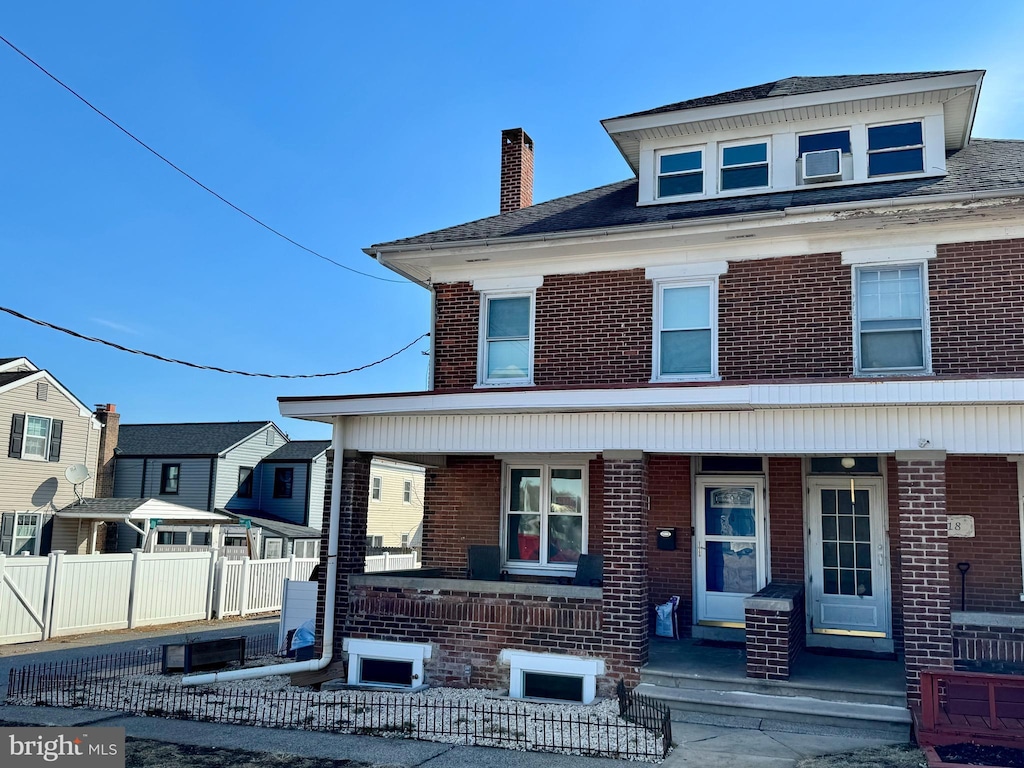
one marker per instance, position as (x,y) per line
(730,558)
(848,564)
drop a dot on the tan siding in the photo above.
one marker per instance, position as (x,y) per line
(68,537)
(391,516)
(27,484)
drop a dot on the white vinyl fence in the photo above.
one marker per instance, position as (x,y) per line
(61,594)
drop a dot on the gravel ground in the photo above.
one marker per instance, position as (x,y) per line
(896,756)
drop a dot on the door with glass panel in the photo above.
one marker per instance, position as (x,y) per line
(730,557)
(848,559)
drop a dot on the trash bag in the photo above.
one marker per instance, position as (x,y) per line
(665,622)
(304,636)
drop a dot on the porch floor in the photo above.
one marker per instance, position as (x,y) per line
(689,658)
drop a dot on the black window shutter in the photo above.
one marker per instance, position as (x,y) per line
(56,430)
(6,532)
(17,433)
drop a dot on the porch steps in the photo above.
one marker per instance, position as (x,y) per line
(882,719)
(815,701)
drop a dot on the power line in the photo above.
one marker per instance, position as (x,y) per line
(184,173)
(163,359)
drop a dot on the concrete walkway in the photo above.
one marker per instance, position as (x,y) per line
(708,744)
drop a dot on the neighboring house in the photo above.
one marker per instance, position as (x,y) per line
(395,513)
(779,360)
(44,429)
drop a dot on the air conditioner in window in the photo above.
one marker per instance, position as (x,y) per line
(823,165)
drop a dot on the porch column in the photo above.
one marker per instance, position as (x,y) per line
(924,554)
(354,504)
(625,601)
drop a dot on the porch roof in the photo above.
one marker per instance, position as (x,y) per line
(137,510)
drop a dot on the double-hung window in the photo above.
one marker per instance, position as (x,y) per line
(169,475)
(544,515)
(26,534)
(891,318)
(680,172)
(37,437)
(376,488)
(244,483)
(895,148)
(686,344)
(283,477)
(407,492)
(507,338)
(744,165)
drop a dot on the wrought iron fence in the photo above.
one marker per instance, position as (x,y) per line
(23,682)
(106,682)
(646,712)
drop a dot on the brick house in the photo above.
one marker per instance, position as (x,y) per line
(778,372)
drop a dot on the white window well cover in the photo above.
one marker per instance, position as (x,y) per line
(551,663)
(385,650)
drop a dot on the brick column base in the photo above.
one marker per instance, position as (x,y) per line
(924,553)
(775,630)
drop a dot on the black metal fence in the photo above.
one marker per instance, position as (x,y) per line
(643,732)
(21,683)
(646,712)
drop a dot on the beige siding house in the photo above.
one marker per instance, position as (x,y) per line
(44,429)
(396,504)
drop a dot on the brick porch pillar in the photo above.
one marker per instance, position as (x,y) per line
(924,553)
(355,499)
(625,608)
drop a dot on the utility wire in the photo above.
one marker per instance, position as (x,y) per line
(184,173)
(163,359)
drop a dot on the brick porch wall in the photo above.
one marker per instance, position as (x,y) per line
(988,642)
(469,628)
(625,619)
(925,557)
(670,572)
(786,518)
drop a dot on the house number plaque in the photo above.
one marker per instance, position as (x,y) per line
(960,526)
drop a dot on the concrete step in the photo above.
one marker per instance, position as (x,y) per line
(893,721)
(861,693)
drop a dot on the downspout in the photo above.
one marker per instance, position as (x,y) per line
(338,444)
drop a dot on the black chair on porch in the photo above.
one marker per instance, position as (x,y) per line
(484,562)
(589,571)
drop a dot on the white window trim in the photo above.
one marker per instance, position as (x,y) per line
(521,662)
(659,289)
(722,146)
(407,491)
(902,174)
(385,650)
(926,337)
(25,436)
(481,363)
(376,488)
(659,153)
(542,568)
(38,535)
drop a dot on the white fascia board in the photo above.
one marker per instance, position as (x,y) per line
(801,101)
(17,362)
(703,397)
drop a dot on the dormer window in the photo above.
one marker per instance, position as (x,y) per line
(680,173)
(895,148)
(744,165)
(823,157)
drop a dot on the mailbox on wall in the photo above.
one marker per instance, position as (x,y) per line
(666,538)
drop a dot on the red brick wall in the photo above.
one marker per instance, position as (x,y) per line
(595,507)
(593,329)
(985,487)
(786,519)
(461,506)
(670,572)
(977,308)
(785,318)
(471,628)
(779,318)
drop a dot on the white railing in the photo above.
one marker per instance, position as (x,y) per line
(387,561)
(255,586)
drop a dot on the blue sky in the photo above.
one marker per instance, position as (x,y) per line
(343,125)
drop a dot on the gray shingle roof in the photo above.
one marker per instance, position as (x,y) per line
(791,86)
(108,506)
(5,360)
(273,524)
(983,165)
(7,378)
(205,439)
(299,450)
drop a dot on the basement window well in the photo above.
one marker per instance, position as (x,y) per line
(552,676)
(386,664)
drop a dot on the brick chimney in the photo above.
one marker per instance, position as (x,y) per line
(108,416)
(516,170)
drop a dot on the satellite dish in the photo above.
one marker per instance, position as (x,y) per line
(77,474)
